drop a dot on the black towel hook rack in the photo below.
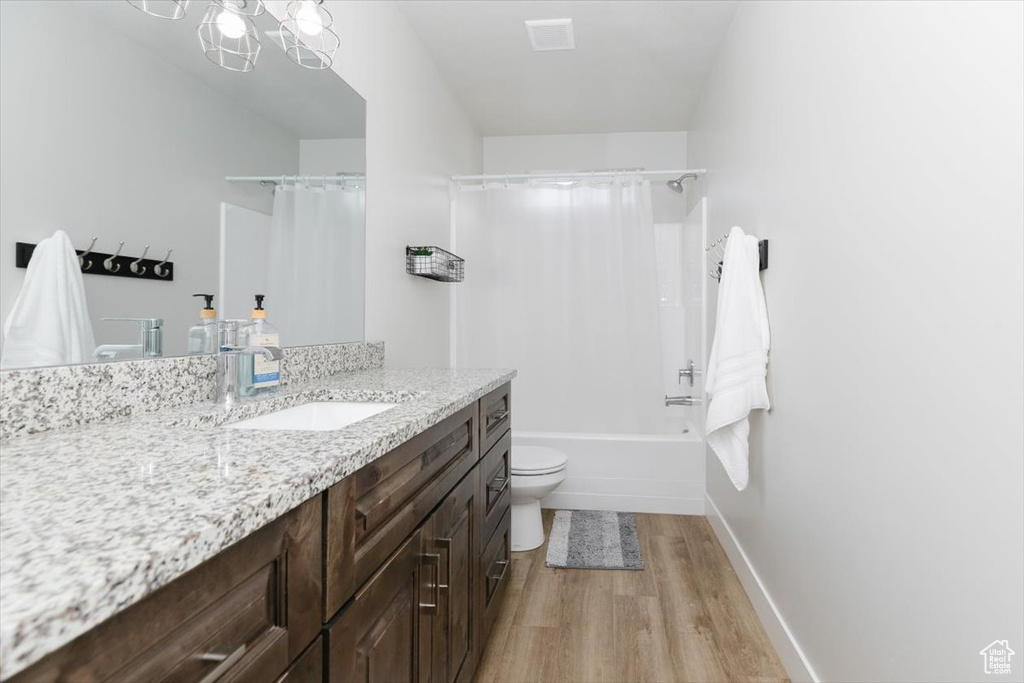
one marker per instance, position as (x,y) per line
(717,251)
(116,264)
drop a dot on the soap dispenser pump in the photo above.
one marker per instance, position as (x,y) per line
(202,337)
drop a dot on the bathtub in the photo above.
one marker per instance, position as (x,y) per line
(662,473)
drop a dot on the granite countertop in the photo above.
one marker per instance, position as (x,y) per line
(94,518)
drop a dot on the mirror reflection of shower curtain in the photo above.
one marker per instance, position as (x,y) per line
(315,270)
(561,283)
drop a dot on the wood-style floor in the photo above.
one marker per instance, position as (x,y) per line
(685,617)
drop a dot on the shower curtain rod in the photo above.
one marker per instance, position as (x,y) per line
(567,175)
(292,178)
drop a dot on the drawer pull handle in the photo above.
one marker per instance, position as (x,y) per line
(504,570)
(497,417)
(227,658)
(498,485)
(434,560)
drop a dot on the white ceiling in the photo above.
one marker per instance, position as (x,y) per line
(639,65)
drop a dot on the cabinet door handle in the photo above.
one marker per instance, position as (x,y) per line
(497,417)
(504,570)
(445,543)
(433,559)
(226,658)
(498,485)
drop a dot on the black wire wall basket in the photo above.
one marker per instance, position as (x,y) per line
(434,263)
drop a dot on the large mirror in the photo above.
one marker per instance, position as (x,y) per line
(115,126)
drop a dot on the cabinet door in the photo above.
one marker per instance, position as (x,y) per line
(452,540)
(374,640)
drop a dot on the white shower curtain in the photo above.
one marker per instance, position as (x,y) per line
(315,272)
(561,283)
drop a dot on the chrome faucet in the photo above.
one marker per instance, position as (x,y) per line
(227,370)
(690,371)
(682,400)
(227,361)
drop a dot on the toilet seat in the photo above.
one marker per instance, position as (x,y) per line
(529,461)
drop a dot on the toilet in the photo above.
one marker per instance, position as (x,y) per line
(536,472)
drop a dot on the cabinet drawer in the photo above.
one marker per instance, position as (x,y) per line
(495,416)
(241,616)
(495,485)
(371,512)
(495,573)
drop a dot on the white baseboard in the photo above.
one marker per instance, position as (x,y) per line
(664,505)
(789,651)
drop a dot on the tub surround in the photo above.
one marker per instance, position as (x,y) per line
(92,519)
(41,399)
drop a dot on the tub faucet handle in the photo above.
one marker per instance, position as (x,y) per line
(689,372)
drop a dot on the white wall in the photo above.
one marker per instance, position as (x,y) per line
(879,147)
(417,135)
(333,155)
(74,125)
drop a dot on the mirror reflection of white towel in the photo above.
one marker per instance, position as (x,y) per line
(49,323)
(735,380)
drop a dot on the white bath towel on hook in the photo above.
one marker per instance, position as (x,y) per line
(735,381)
(49,322)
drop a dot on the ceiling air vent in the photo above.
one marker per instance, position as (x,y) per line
(551,34)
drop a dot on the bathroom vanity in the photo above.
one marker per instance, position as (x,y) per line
(392,568)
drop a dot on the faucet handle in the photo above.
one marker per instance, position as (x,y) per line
(144,323)
(690,371)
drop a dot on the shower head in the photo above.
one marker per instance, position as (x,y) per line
(676,184)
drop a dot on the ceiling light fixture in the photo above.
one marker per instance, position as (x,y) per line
(164,9)
(307,36)
(228,36)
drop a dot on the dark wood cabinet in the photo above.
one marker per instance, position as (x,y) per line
(242,616)
(371,512)
(393,574)
(374,638)
(438,494)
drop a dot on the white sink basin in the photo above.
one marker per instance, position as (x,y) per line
(314,417)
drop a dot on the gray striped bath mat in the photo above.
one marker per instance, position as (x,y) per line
(594,539)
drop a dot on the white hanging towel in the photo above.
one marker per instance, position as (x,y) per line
(735,379)
(49,323)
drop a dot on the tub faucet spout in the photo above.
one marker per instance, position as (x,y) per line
(682,400)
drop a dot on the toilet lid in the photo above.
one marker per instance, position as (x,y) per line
(537,460)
